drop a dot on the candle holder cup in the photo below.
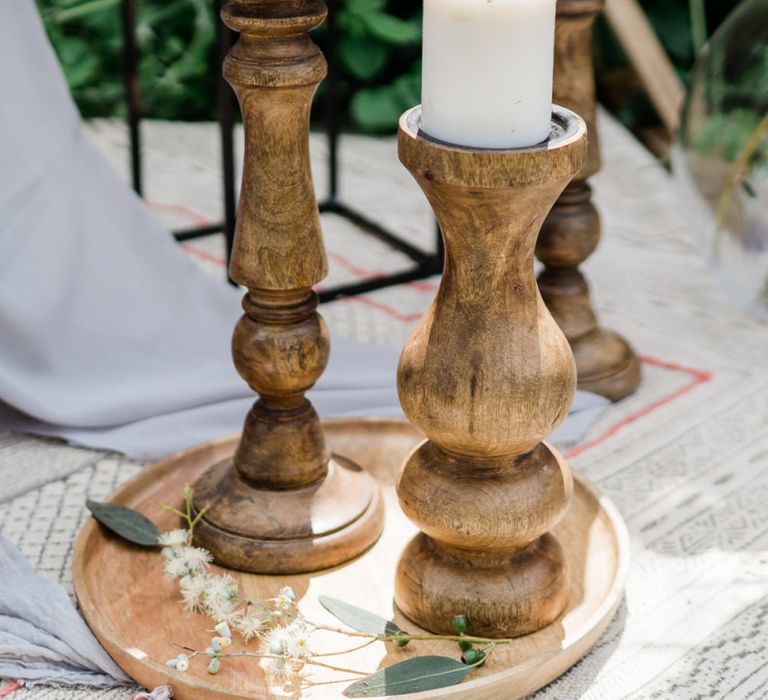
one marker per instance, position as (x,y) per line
(282,504)
(487,375)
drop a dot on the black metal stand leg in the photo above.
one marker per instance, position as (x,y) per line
(426,264)
(226,109)
(331,85)
(131,84)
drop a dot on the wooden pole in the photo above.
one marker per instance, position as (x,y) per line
(649,59)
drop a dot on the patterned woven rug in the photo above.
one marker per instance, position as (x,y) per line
(685,459)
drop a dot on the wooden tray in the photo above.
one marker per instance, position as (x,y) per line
(137,616)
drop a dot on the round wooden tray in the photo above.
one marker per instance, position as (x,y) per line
(137,616)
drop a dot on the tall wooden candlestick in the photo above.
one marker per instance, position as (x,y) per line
(487,375)
(605,362)
(282,504)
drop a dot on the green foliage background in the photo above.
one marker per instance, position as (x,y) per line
(379,55)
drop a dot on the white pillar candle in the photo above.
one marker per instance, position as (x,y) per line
(487,71)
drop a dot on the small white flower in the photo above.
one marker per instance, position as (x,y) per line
(275,642)
(193,590)
(176,568)
(220,595)
(250,625)
(297,646)
(214,666)
(195,558)
(182,663)
(276,672)
(285,598)
(174,538)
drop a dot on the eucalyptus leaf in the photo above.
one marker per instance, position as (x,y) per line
(415,675)
(127,523)
(359,619)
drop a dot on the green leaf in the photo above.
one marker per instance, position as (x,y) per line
(391,29)
(362,57)
(127,523)
(415,675)
(359,619)
(79,11)
(378,109)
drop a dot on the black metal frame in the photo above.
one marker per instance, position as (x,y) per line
(425,264)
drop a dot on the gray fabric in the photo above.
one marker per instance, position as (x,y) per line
(42,637)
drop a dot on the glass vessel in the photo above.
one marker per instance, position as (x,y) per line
(721,158)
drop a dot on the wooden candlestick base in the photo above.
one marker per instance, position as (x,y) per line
(487,375)
(605,362)
(282,504)
(267,530)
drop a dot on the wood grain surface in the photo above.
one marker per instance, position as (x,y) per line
(281,504)
(487,375)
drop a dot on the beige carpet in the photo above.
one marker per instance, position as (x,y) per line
(685,459)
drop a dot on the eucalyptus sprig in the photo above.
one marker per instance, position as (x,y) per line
(282,635)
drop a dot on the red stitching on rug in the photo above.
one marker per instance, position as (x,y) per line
(191,214)
(203,255)
(8,689)
(385,308)
(362,272)
(699,376)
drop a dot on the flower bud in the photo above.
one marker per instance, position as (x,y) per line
(219,643)
(473,656)
(459,624)
(214,666)
(223,629)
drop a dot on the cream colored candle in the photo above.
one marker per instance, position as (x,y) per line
(487,71)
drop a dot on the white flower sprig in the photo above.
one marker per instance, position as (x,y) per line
(284,636)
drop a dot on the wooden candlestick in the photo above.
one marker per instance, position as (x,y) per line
(605,362)
(282,504)
(487,375)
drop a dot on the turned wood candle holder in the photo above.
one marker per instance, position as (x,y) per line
(487,375)
(605,362)
(282,504)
